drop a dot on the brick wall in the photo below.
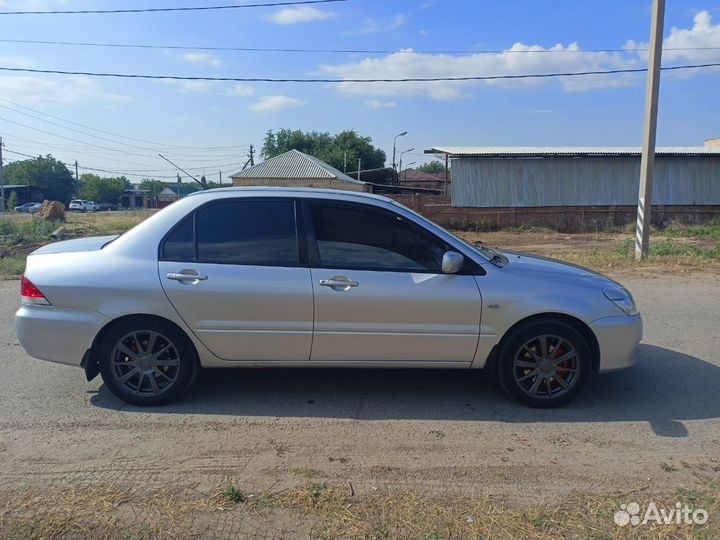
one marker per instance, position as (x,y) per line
(566,219)
(326,183)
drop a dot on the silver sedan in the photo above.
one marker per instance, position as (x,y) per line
(258,277)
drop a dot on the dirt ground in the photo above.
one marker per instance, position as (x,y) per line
(370,453)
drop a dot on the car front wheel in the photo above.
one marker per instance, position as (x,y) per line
(145,361)
(544,363)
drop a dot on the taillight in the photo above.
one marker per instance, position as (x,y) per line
(30,294)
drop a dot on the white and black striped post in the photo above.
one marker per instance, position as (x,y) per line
(647,162)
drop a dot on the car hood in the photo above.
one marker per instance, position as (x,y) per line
(547,268)
(78,244)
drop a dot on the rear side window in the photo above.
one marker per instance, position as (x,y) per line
(180,245)
(247,232)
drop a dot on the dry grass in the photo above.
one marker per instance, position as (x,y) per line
(412,515)
(326,511)
(106,511)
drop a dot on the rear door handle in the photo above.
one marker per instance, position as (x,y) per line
(183,276)
(339,283)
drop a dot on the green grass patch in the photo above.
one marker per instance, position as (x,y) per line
(668,248)
(34,231)
(710,231)
(12,266)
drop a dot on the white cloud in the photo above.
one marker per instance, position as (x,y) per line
(15,61)
(198,87)
(379,104)
(702,35)
(274,103)
(202,59)
(241,90)
(513,61)
(522,59)
(374,26)
(301,14)
(42,90)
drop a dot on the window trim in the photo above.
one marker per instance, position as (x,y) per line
(299,234)
(470,267)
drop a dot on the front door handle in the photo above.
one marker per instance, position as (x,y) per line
(186,276)
(339,283)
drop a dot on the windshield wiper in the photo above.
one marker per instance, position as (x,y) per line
(496,258)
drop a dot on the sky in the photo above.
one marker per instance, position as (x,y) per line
(120,125)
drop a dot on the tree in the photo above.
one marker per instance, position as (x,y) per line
(99,189)
(434,167)
(45,173)
(336,150)
(12,201)
(154,187)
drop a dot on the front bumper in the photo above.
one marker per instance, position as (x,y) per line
(618,339)
(57,334)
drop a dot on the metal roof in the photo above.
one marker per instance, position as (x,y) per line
(549,151)
(294,165)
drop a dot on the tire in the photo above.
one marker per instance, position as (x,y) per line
(147,361)
(544,380)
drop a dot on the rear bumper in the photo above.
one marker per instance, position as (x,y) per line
(57,334)
(618,339)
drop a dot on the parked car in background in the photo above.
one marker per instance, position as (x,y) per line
(30,207)
(106,206)
(253,277)
(81,205)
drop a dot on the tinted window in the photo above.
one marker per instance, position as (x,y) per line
(248,232)
(352,237)
(180,245)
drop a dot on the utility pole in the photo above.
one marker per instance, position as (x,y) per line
(251,160)
(345,161)
(2,181)
(359,162)
(647,161)
(77,176)
(447,171)
(220,174)
(179,181)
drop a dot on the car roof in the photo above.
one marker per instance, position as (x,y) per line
(269,191)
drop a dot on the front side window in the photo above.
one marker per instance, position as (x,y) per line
(247,232)
(363,238)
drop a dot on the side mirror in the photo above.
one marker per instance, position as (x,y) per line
(452,262)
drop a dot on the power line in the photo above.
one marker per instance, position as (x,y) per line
(340,51)
(400,80)
(160,145)
(127,172)
(158,10)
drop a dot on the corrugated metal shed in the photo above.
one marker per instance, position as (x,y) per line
(523,177)
(580,151)
(294,165)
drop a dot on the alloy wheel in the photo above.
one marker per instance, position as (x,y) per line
(546,367)
(145,363)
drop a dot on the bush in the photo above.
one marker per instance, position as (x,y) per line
(12,201)
(35,231)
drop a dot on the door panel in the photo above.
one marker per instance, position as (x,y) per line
(245,312)
(395,316)
(232,270)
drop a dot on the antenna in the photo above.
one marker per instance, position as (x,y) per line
(202,182)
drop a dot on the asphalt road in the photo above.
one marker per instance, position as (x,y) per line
(435,431)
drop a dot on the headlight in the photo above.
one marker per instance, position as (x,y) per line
(622,299)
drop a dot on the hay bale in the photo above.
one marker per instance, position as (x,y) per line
(51,211)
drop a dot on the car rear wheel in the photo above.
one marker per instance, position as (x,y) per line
(145,361)
(544,363)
